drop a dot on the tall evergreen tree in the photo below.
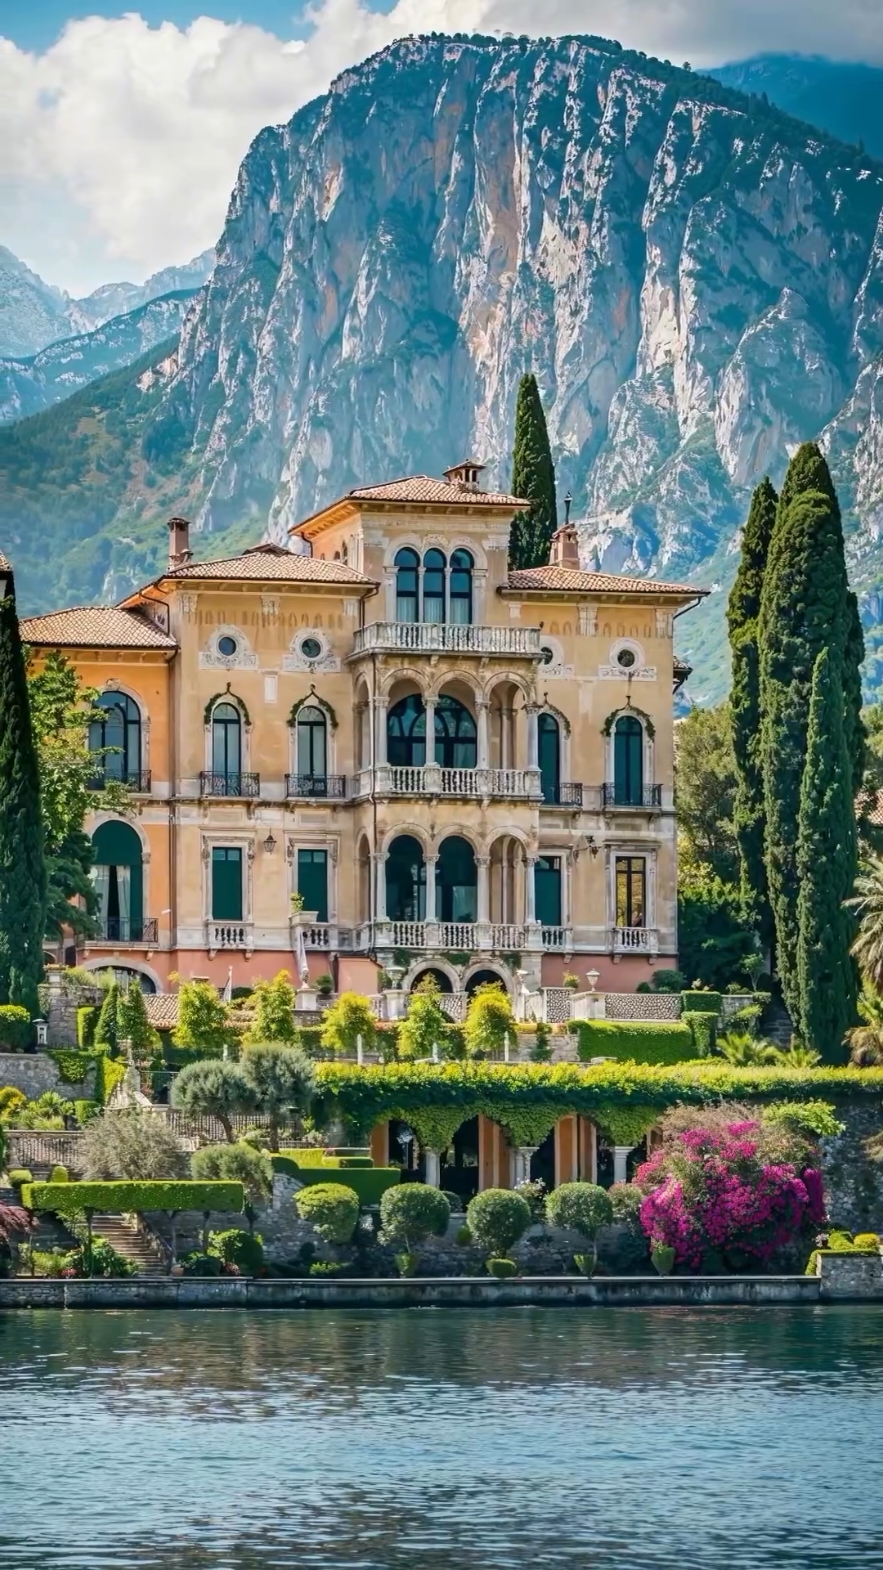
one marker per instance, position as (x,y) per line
(533,479)
(742,618)
(22,862)
(803,610)
(826,867)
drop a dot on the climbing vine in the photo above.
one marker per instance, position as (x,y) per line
(312,700)
(639,714)
(225,697)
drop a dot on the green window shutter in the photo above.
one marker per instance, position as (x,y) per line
(312,881)
(548,891)
(226,883)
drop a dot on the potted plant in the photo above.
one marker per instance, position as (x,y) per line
(299,916)
(325,985)
(571,982)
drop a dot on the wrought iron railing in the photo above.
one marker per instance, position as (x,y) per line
(229,784)
(137,780)
(619,795)
(131,929)
(328,787)
(570,794)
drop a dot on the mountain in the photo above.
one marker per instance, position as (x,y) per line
(844,99)
(33,314)
(695,277)
(27,386)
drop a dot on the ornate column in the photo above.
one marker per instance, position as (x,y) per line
(430,862)
(533,736)
(530,889)
(482,750)
(482,864)
(380,713)
(433,1168)
(621,1155)
(433,773)
(378,862)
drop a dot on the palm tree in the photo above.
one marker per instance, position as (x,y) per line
(868,904)
(797,1055)
(743,1050)
(866,1040)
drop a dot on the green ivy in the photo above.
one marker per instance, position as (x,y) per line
(626,1125)
(313,700)
(109,1072)
(225,697)
(73,1066)
(87,1019)
(128,1197)
(611,719)
(701,1002)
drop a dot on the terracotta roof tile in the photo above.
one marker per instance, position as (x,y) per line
(94,626)
(162,1009)
(426,488)
(571,581)
(274,563)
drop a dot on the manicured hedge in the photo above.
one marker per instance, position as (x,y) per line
(703,1002)
(16,1030)
(369,1183)
(641,1041)
(73,1065)
(66,1198)
(109,1072)
(87,1019)
(702,1026)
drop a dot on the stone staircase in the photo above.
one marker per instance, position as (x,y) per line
(776,1024)
(122,1234)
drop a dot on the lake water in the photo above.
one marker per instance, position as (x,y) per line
(446,1439)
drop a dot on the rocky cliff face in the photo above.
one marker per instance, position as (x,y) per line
(697,280)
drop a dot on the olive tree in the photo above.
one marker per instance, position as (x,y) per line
(214,1088)
(332,1210)
(282,1080)
(583,1208)
(497,1218)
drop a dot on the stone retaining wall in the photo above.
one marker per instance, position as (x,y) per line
(853,1182)
(466,1292)
(34,1072)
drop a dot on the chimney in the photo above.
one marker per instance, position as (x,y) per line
(179,542)
(564,548)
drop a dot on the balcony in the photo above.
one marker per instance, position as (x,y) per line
(465,784)
(641,942)
(137,780)
(316,787)
(239,786)
(616,797)
(117,930)
(463,937)
(567,795)
(229,935)
(437,638)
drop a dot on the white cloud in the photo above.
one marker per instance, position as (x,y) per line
(119,145)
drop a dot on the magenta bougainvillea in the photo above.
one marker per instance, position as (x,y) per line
(717,1192)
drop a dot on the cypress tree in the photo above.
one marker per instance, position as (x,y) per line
(742,614)
(826,868)
(22,863)
(803,611)
(533,479)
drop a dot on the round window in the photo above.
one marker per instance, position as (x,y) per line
(626,659)
(548,654)
(227,646)
(310,648)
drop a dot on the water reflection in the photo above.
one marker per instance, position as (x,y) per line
(229,1440)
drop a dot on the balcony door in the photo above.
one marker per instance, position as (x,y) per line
(118,881)
(226,883)
(550,757)
(227,745)
(405,880)
(628,762)
(631,891)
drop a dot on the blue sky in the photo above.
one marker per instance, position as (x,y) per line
(122,127)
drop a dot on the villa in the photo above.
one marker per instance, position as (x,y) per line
(384,739)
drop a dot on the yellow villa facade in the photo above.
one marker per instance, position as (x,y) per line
(383,748)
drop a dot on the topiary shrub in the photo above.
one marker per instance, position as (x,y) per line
(703,1029)
(59,1175)
(502,1269)
(244,1250)
(411,1213)
(332,1209)
(639,1040)
(701,1002)
(866,1240)
(583,1208)
(464,1237)
(18,1176)
(490,1022)
(668,981)
(497,1218)
(16,1030)
(87,1020)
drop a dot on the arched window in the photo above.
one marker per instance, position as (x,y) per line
(406,880)
(118,881)
(456,881)
(118,729)
(456,740)
(227,747)
(461,588)
(628,762)
(434,566)
(406,733)
(407,564)
(550,757)
(312,744)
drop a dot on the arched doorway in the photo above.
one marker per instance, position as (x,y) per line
(542,1162)
(441,979)
(459,1171)
(118,880)
(485,978)
(456,736)
(405,1151)
(456,881)
(406,880)
(406,733)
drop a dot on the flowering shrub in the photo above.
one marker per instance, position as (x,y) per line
(720,1192)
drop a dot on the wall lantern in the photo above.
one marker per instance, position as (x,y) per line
(269,843)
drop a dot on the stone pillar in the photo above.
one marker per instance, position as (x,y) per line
(530,890)
(566,1151)
(378,859)
(587,1150)
(483,891)
(482,746)
(433,1168)
(380,716)
(380,1144)
(431,863)
(621,1155)
(521,1159)
(429,709)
